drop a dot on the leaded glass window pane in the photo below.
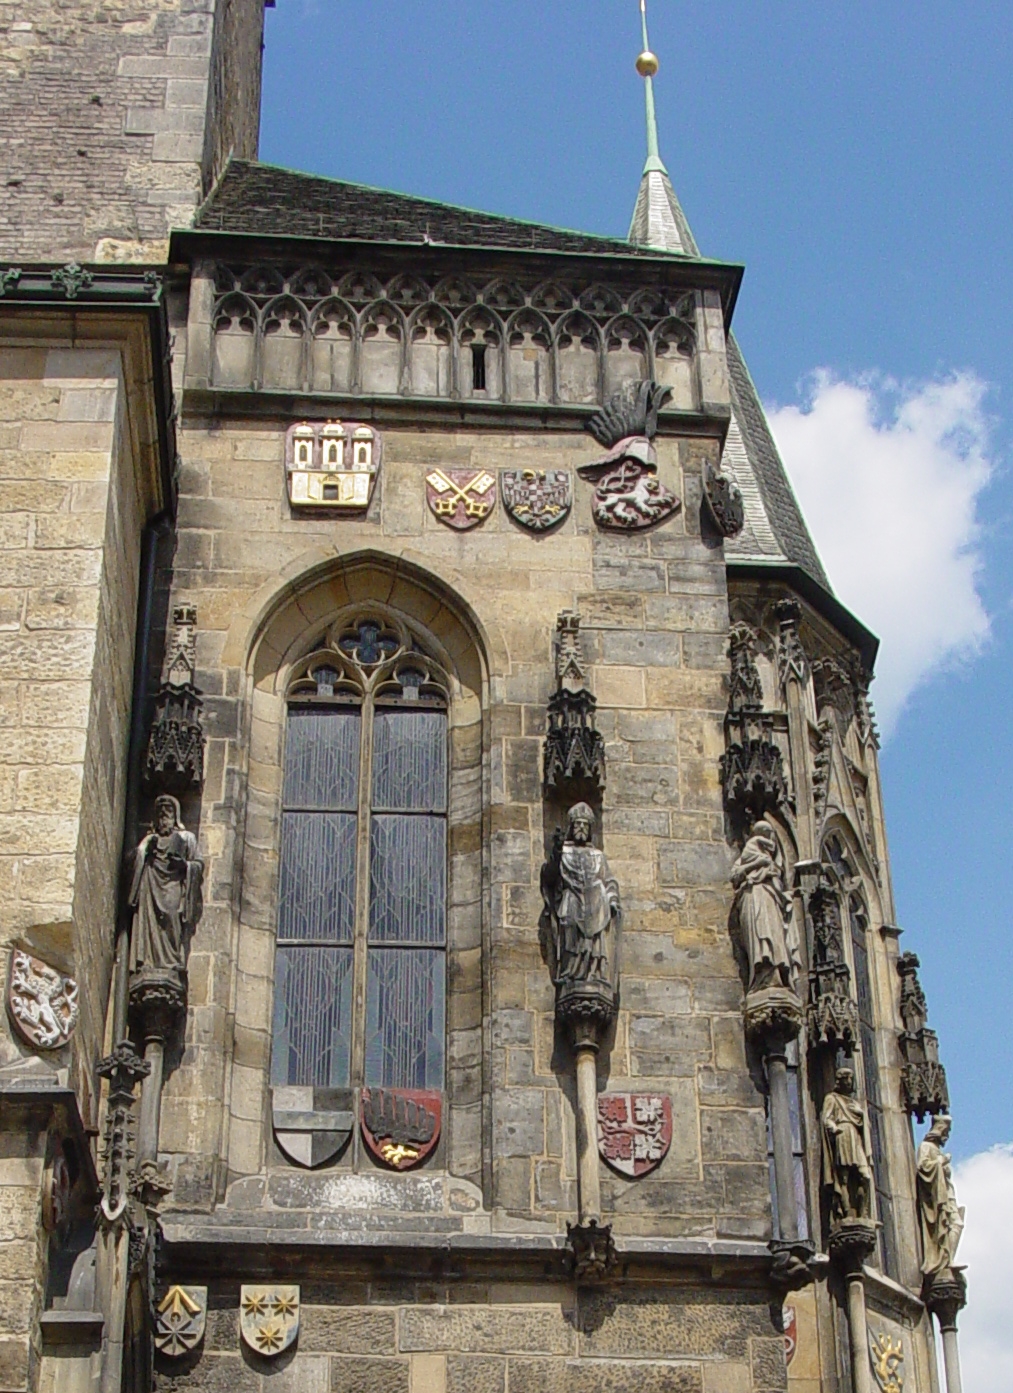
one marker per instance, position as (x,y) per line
(408,879)
(405,1012)
(322,758)
(316,892)
(312,1016)
(410,760)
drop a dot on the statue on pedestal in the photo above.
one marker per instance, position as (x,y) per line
(847,1170)
(582,899)
(763,912)
(942,1221)
(165,893)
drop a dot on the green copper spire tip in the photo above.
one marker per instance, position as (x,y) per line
(647,66)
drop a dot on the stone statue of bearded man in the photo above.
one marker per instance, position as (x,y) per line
(582,899)
(165,892)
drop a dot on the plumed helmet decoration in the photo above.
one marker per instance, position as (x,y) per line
(632,411)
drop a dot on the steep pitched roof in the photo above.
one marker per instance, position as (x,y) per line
(265,200)
(775,529)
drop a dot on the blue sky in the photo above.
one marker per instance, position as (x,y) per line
(857,158)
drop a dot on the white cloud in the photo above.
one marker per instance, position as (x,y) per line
(984,1186)
(888,478)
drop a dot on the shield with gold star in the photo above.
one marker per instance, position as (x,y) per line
(461,498)
(269,1318)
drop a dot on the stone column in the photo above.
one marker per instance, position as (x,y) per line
(773,1019)
(123,1068)
(946,1297)
(589,1187)
(157,1001)
(587,1015)
(852,1241)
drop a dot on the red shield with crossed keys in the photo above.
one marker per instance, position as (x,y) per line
(634,1131)
(461,498)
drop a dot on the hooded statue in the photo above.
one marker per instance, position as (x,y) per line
(942,1222)
(165,892)
(763,909)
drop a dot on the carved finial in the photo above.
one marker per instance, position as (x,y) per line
(181,653)
(569,658)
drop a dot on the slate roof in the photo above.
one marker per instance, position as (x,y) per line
(256,199)
(262,199)
(775,530)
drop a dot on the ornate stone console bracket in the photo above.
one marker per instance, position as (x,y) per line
(157,1005)
(175,758)
(593,1250)
(923,1077)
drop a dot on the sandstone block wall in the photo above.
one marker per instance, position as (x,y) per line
(115,116)
(654,617)
(400,1337)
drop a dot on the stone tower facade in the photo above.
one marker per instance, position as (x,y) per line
(448,939)
(115,119)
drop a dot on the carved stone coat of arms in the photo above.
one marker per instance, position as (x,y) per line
(180,1319)
(536,498)
(269,1318)
(401,1126)
(461,498)
(628,495)
(311,1125)
(42,1001)
(634,1131)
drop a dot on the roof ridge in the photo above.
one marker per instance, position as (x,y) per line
(508,220)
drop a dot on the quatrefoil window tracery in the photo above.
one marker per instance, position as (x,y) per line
(372,656)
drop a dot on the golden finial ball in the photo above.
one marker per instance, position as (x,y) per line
(647,63)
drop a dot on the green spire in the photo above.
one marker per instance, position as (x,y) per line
(647,66)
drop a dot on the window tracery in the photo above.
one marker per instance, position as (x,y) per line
(360,979)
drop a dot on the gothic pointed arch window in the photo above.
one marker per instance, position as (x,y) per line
(360,968)
(856,916)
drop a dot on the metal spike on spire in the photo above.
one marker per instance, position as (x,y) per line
(647,66)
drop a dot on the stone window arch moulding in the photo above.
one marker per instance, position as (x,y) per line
(377,662)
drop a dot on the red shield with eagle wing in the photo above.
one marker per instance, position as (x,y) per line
(401,1125)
